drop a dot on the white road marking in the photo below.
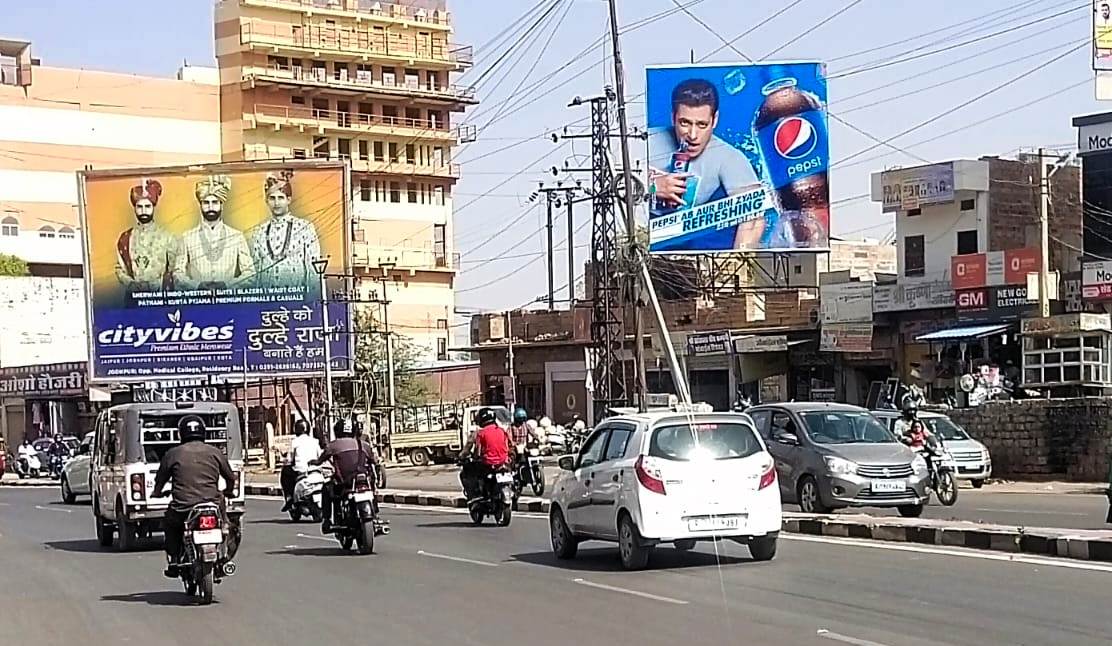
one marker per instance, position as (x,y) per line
(1031,511)
(942,551)
(5,504)
(845,639)
(318,538)
(457,559)
(64,511)
(635,593)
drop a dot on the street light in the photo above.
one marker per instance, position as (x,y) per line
(321,265)
(391,393)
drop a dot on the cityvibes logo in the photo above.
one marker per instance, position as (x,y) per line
(176,332)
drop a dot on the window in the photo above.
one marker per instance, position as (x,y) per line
(914,259)
(969,205)
(619,440)
(364,153)
(967,242)
(65,232)
(395,192)
(914,212)
(278,62)
(442,349)
(297,100)
(836,427)
(438,195)
(343,114)
(411,189)
(393,153)
(322,149)
(299,153)
(389,114)
(345,148)
(320,108)
(365,190)
(591,453)
(46,231)
(439,237)
(798,269)
(9,227)
(715,440)
(378,150)
(410,153)
(760,420)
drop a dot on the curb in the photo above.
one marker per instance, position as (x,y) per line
(1071,544)
(29,484)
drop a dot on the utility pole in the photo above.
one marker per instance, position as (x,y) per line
(554,200)
(1044,237)
(633,253)
(551,198)
(321,266)
(571,255)
(510,358)
(391,393)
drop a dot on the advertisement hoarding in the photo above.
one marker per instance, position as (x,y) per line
(1102,35)
(913,295)
(1096,281)
(912,188)
(992,304)
(994,268)
(738,157)
(846,337)
(209,270)
(846,303)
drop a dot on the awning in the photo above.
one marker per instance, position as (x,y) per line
(964,333)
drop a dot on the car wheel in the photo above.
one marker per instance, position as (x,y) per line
(686,545)
(420,457)
(763,549)
(126,534)
(810,502)
(68,496)
(564,544)
(634,555)
(977,484)
(104,528)
(910,511)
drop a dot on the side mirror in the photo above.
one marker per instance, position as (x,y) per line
(567,462)
(784,437)
(83,449)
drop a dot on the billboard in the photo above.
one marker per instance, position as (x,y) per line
(912,188)
(1096,280)
(1102,35)
(846,303)
(738,158)
(993,304)
(209,270)
(1008,267)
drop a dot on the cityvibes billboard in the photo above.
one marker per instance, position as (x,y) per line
(209,270)
(738,158)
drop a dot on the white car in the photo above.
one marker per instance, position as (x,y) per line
(974,462)
(667,477)
(75,475)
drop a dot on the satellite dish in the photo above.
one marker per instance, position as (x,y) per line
(967,383)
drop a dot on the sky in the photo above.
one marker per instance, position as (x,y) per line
(501,234)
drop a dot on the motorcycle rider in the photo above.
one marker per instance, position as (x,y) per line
(303,449)
(350,457)
(195,467)
(57,454)
(493,445)
(24,455)
(520,431)
(911,430)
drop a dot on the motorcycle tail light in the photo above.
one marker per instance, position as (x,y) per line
(207,522)
(138,486)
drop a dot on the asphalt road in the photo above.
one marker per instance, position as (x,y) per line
(437,580)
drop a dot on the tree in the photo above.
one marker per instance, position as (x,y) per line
(12,266)
(370,357)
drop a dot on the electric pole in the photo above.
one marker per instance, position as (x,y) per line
(1044,236)
(633,257)
(554,198)
(551,198)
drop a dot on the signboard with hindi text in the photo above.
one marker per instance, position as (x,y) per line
(46,381)
(213,270)
(913,188)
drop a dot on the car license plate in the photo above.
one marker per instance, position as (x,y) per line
(715,523)
(364,496)
(504,478)
(889,486)
(208,537)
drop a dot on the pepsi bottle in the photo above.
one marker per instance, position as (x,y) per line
(681,164)
(790,126)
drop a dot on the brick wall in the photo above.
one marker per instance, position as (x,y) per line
(532,325)
(1067,439)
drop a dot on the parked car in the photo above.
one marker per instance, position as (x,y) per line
(830,456)
(645,479)
(75,475)
(973,459)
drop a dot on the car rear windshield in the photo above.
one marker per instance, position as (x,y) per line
(846,427)
(945,428)
(714,440)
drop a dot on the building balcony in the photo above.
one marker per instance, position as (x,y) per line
(361,84)
(447,171)
(373,10)
(406,258)
(323,121)
(356,45)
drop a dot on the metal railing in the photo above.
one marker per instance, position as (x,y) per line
(368,255)
(354,120)
(421,11)
(358,42)
(361,81)
(405,168)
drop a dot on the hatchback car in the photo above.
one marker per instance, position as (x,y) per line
(831,456)
(667,477)
(972,457)
(75,475)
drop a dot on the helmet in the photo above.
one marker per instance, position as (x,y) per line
(190,428)
(343,428)
(910,406)
(545,422)
(485,417)
(532,424)
(520,416)
(579,425)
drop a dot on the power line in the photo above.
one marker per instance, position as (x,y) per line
(822,22)
(755,27)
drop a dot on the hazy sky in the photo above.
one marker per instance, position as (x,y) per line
(155,36)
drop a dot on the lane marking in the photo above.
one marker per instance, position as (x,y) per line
(846,639)
(457,559)
(1031,511)
(64,511)
(635,593)
(942,551)
(318,538)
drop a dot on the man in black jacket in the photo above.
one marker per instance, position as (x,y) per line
(350,457)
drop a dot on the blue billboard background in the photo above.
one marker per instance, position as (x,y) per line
(758,186)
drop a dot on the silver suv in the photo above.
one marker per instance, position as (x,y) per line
(973,459)
(830,456)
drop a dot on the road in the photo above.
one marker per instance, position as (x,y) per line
(996,504)
(437,580)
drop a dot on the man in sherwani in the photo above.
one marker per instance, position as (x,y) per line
(146,254)
(284,246)
(214,255)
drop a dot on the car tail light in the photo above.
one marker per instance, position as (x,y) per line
(138,486)
(649,476)
(768,477)
(207,522)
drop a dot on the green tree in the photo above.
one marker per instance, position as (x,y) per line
(370,356)
(12,266)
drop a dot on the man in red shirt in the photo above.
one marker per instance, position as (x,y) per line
(492,443)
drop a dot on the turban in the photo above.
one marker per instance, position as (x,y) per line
(217,186)
(147,189)
(281,181)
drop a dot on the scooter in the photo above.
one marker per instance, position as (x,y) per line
(307,496)
(28,466)
(56,464)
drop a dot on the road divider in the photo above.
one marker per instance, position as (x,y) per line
(1057,542)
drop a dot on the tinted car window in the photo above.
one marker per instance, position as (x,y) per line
(846,427)
(619,440)
(761,421)
(715,440)
(591,453)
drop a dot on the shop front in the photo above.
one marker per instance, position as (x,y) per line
(41,400)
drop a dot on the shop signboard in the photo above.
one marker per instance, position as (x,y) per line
(1096,281)
(846,337)
(912,188)
(44,381)
(846,302)
(990,304)
(909,296)
(704,343)
(761,343)
(1066,324)
(994,268)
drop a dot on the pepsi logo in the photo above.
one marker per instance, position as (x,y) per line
(795,138)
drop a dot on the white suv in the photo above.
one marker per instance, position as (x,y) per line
(678,478)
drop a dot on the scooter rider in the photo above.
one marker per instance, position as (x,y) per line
(350,456)
(910,411)
(492,443)
(520,431)
(25,454)
(303,449)
(195,467)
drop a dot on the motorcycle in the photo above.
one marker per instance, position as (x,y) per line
(557,440)
(28,466)
(306,497)
(358,523)
(529,470)
(495,499)
(205,558)
(54,466)
(943,470)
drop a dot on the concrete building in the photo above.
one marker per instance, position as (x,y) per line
(369,82)
(863,259)
(55,121)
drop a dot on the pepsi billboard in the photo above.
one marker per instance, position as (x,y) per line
(738,158)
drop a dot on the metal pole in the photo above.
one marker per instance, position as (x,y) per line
(1044,237)
(327,335)
(631,216)
(551,197)
(510,358)
(678,376)
(571,254)
(390,387)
